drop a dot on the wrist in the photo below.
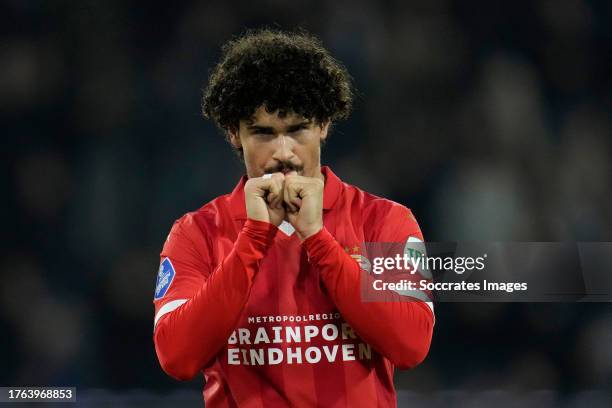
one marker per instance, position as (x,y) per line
(304,234)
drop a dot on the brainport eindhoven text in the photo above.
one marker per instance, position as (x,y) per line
(309,343)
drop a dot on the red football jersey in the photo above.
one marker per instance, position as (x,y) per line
(272,321)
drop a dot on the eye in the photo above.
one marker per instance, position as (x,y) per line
(263,135)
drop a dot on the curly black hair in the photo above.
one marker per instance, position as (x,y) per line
(289,72)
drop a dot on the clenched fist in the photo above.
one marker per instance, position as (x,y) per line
(275,197)
(264,198)
(303,197)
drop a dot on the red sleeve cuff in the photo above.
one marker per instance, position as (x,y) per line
(253,242)
(319,245)
(261,232)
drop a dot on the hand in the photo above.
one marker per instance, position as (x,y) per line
(264,197)
(303,198)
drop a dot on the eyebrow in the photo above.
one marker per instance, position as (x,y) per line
(253,126)
(260,128)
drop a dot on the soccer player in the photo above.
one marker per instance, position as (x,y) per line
(259,289)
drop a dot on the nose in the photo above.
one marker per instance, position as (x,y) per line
(284,148)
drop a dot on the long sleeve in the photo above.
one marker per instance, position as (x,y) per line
(398,329)
(193,322)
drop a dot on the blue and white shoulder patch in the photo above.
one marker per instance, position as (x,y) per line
(165,276)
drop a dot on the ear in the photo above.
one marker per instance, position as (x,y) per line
(324,129)
(234,138)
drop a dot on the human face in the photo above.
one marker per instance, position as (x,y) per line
(271,143)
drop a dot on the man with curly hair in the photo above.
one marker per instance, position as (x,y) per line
(259,289)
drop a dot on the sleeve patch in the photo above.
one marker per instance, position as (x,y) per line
(415,248)
(165,276)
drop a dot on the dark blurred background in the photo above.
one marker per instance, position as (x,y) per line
(491,121)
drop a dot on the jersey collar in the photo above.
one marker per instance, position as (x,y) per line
(332,190)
